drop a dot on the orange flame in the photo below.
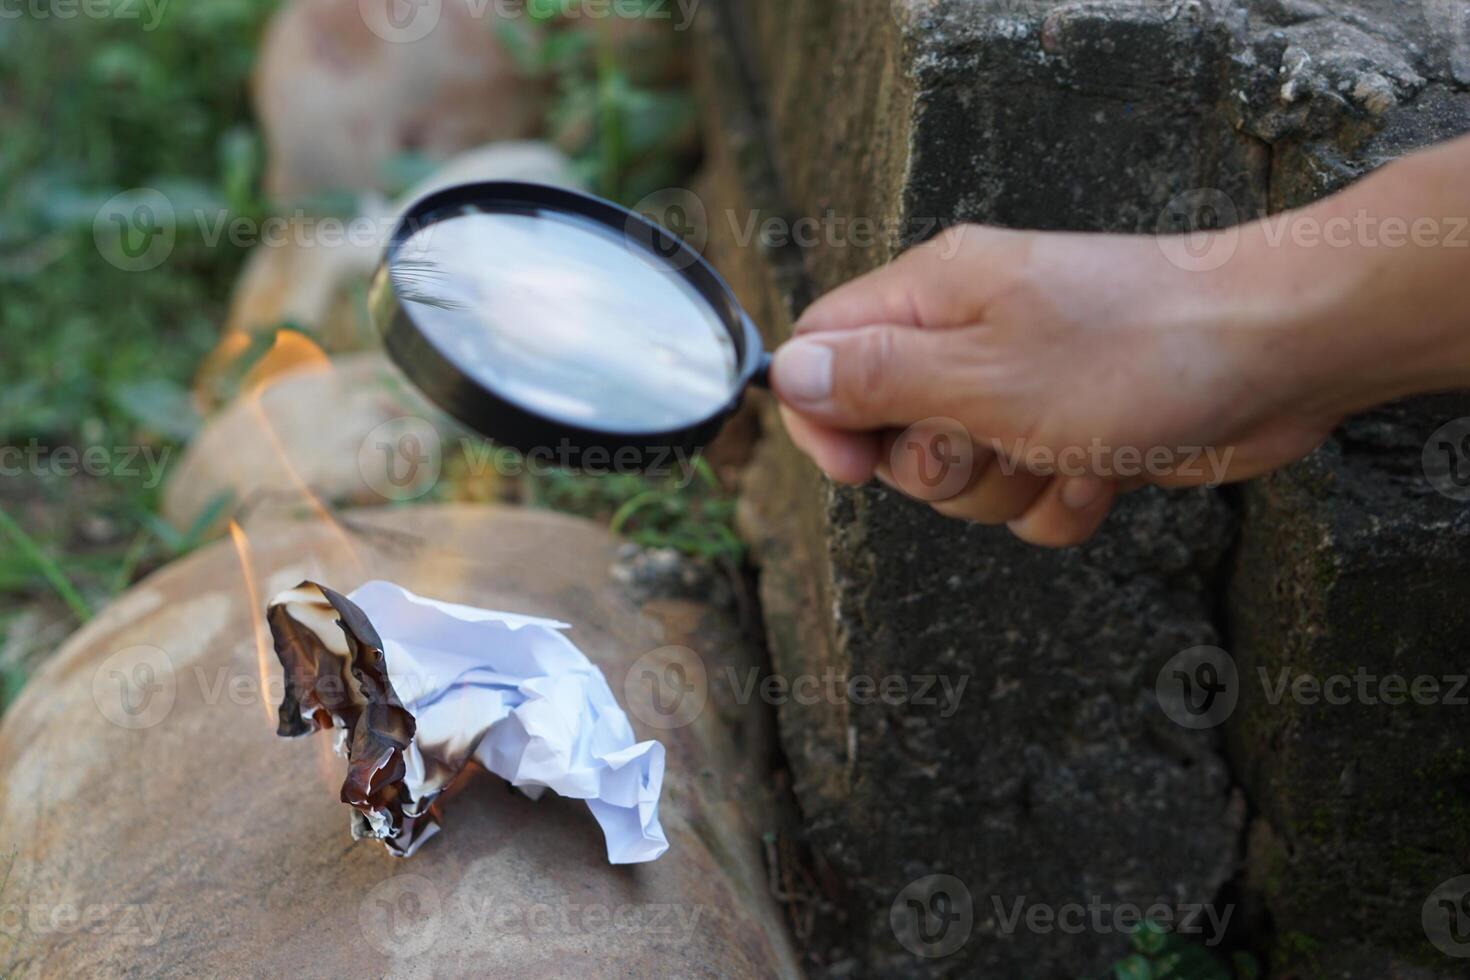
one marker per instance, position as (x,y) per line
(263,648)
(293,352)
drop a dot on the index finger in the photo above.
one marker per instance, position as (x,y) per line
(930,287)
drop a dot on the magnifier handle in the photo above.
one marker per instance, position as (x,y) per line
(762,376)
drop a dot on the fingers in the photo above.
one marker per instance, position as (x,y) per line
(1261,451)
(847,457)
(921,288)
(1048,511)
(1067,513)
(874,377)
(932,463)
(997,497)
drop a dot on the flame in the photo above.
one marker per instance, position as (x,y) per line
(263,648)
(292,352)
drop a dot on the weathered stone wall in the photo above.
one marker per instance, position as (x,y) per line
(1059,780)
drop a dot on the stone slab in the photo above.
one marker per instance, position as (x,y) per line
(141,777)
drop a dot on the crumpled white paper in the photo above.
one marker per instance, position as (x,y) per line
(514,694)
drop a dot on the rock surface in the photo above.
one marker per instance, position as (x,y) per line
(1056,781)
(161,827)
(317,432)
(1350,582)
(315,277)
(1060,779)
(343,87)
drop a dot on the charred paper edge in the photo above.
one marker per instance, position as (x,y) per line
(336,676)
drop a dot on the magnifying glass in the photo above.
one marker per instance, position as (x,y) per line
(540,316)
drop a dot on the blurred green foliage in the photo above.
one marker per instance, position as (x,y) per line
(95,355)
(91,108)
(628,127)
(630,132)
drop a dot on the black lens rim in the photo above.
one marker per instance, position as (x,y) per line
(496,416)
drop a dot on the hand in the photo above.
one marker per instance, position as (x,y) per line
(1074,366)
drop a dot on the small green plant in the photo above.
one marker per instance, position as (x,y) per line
(1160,954)
(689,512)
(628,129)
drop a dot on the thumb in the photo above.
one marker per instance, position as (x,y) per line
(871,378)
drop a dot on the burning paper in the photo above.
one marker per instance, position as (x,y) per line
(418,689)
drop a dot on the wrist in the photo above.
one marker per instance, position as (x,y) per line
(1334,316)
(1371,288)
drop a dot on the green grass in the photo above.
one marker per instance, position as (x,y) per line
(96,356)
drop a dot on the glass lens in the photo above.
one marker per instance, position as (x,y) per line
(568,319)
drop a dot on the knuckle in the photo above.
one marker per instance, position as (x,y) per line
(872,380)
